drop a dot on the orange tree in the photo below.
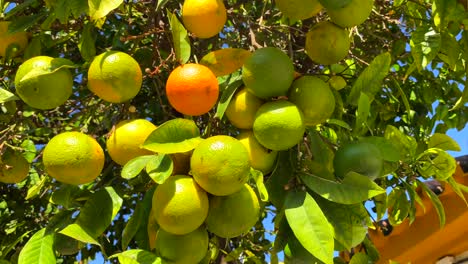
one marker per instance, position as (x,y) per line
(396,76)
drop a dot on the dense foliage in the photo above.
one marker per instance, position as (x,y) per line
(405,74)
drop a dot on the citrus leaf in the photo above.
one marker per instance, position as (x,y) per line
(65,195)
(321,165)
(6,96)
(309,225)
(132,225)
(159,168)
(279,179)
(437,163)
(86,44)
(435,201)
(100,8)
(77,232)
(334,4)
(21,24)
(160,4)
(180,38)
(225,61)
(406,145)
(441,11)
(137,256)
(174,136)
(457,188)
(141,236)
(425,44)
(359,258)
(371,250)
(354,188)
(370,80)
(387,148)
(400,206)
(442,141)
(34,190)
(38,249)
(29,150)
(362,113)
(135,166)
(257,176)
(226,97)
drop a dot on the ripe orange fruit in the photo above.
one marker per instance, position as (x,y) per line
(260,158)
(352,14)
(279,125)
(315,99)
(242,108)
(204,18)
(15,42)
(192,89)
(220,165)
(235,214)
(326,43)
(40,85)
(124,142)
(14,167)
(73,158)
(360,157)
(299,9)
(114,77)
(268,73)
(188,248)
(180,205)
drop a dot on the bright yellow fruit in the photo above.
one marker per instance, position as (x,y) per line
(326,43)
(14,167)
(204,18)
(16,42)
(180,205)
(261,158)
(182,249)
(115,77)
(299,9)
(40,85)
(315,99)
(220,165)
(279,125)
(242,108)
(352,14)
(235,214)
(124,142)
(73,158)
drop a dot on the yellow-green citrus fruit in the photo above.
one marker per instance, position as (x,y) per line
(299,9)
(180,205)
(114,76)
(242,108)
(204,18)
(124,143)
(261,158)
(360,157)
(268,73)
(337,82)
(40,85)
(327,43)
(279,125)
(73,158)
(14,167)
(314,97)
(15,42)
(220,165)
(352,14)
(182,249)
(233,215)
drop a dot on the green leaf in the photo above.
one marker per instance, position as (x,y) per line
(441,10)
(435,201)
(141,236)
(425,44)
(334,4)
(132,225)
(400,206)
(29,150)
(65,195)
(225,61)
(78,7)
(278,181)
(137,256)
(349,222)
(6,96)
(406,145)
(435,162)
(226,97)
(33,49)
(321,165)
(463,98)
(354,188)
(21,24)
(160,4)
(257,176)
(86,43)
(34,190)
(159,168)
(442,141)
(309,224)
(457,189)
(174,136)
(95,216)
(370,80)
(371,250)
(180,38)
(387,148)
(132,168)
(359,258)
(362,113)
(38,249)
(100,8)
